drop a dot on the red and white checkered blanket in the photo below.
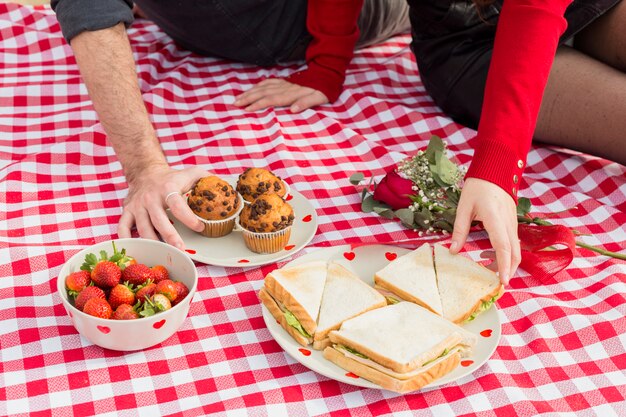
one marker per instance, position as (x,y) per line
(61,188)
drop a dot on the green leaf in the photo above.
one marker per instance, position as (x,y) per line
(385,212)
(438,179)
(442,225)
(446,169)
(449,215)
(435,145)
(367,206)
(523,206)
(356,178)
(405,216)
(453,197)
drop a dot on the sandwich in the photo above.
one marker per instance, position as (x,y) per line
(400,347)
(466,288)
(293,296)
(411,277)
(345,296)
(452,286)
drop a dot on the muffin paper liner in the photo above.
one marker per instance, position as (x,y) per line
(270,242)
(222,227)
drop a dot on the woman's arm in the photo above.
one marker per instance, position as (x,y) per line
(526,41)
(333,26)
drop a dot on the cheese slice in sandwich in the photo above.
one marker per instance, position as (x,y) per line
(293,296)
(400,347)
(466,288)
(345,296)
(411,277)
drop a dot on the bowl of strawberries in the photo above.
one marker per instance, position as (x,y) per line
(127,294)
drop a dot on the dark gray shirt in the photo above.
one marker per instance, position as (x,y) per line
(76,16)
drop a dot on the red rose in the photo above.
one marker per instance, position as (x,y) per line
(394,190)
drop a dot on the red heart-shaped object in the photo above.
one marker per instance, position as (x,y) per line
(391,255)
(243,261)
(290,247)
(486,333)
(307,218)
(159,324)
(349,255)
(538,257)
(305,352)
(351,375)
(191,251)
(289,197)
(466,363)
(104,329)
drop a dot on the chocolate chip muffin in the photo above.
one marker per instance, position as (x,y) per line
(255,182)
(216,203)
(266,224)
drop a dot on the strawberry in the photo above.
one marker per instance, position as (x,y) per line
(119,258)
(161,302)
(145,291)
(125,312)
(121,294)
(168,288)
(76,282)
(154,305)
(182,292)
(136,274)
(106,274)
(98,307)
(87,294)
(159,273)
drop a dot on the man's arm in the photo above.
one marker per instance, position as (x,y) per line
(107,66)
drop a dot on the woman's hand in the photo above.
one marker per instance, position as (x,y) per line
(150,193)
(279,92)
(490,204)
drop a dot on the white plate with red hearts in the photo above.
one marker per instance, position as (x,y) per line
(365,262)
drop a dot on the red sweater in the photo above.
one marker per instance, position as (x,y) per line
(526,40)
(333,25)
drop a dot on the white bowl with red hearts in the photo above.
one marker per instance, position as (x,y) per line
(142,333)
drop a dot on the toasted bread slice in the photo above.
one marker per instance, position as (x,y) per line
(402,337)
(443,367)
(299,289)
(345,296)
(464,285)
(412,278)
(273,307)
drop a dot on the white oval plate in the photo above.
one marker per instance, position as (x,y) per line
(367,260)
(230,250)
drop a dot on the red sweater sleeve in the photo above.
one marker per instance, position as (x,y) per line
(526,41)
(333,25)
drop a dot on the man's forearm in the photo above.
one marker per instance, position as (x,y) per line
(108,68)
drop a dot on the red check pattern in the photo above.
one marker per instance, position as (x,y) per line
(61,188)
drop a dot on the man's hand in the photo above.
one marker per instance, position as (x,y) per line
(146,202)
(279,92)
(488,203)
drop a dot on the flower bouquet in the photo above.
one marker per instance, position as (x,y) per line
(423,192)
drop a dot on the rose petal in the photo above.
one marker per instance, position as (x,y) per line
(385,194)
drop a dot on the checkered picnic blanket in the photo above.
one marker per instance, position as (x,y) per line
(61,188)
